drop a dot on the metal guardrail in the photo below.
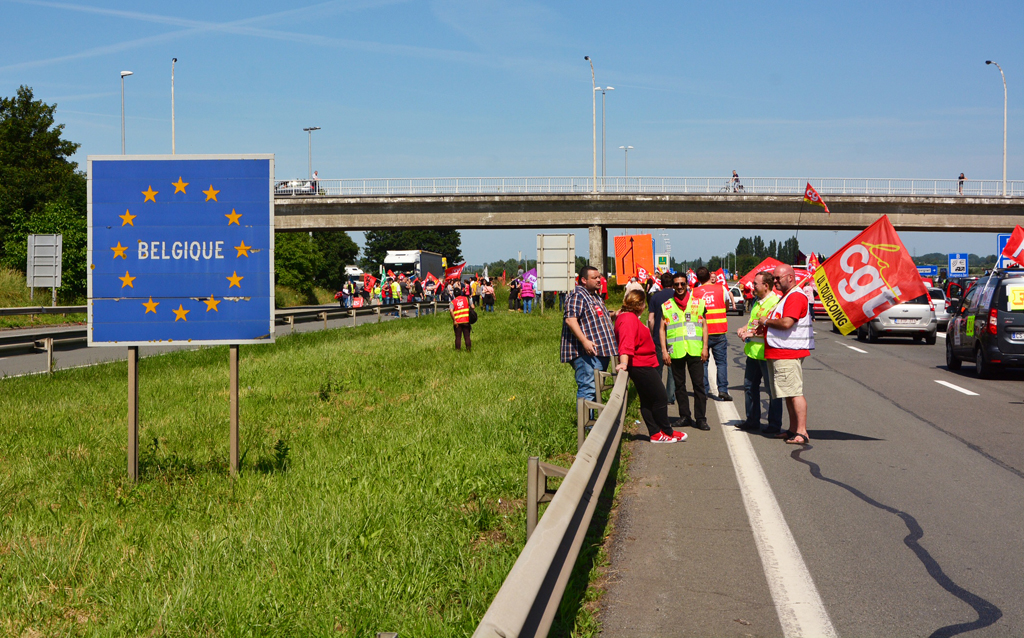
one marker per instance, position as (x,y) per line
(653,185)
(44,338)
(528,599)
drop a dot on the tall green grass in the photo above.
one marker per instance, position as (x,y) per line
(382,485)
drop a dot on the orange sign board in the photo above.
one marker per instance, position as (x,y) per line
(633,252)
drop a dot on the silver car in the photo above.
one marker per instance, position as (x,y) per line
(941,307)
(914,318)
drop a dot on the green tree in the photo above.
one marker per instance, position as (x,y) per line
(337,250)
(56,218)
(34,168)
(378,242)
(297,260)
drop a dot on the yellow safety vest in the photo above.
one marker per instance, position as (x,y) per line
(682,327)
(754,347)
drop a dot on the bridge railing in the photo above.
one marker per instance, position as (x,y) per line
(884,186)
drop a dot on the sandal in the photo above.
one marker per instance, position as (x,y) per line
(803,439)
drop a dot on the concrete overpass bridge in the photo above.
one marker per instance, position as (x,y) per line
(646,202)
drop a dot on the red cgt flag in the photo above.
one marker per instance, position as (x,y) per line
(811,196)
(870,274)
(719,276)
(1014,249)
(455,272)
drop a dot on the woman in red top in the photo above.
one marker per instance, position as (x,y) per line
(637,357)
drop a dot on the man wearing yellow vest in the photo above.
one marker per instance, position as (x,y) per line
(756,372)
(716,296)
(684,344)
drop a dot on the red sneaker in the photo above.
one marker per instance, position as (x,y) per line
(679,436)
(661,437)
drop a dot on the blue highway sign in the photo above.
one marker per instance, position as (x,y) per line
(181,249)
(1003,262)
(957,265)
(928,271)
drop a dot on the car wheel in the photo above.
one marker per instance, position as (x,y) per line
(952,363)
(917,338)
(983,367)
(872,334)
(862,334)
(835,328)
(930,339)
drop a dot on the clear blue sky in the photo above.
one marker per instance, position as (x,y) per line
(481,88)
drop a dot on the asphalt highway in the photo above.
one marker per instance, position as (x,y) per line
(904,514)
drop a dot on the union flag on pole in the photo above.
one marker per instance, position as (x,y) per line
(1014,249)
(867,276)
(455,272)
(811,196)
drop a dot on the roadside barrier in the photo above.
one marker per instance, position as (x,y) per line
(528,599)
(47,339)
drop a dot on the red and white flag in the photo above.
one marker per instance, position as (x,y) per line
(1014,250)
(455,272)
(811,196)
(691,278)
(641,273)
(719,276)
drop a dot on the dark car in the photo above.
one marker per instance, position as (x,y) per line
(987,326)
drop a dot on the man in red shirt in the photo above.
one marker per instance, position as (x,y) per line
(789,339)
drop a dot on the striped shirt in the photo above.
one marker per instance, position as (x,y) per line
(592,315)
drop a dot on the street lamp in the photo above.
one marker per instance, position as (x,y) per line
(310,131)
(626,148)
(603,130)
(593,85)
(173,60)
(123,75)
(1004,121)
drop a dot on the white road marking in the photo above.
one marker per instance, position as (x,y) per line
(857,349)
(957,388)
(941,335)
(797,602)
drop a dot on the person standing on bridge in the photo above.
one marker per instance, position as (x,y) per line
(715,296)
(638,358)
(684,342)
(789,339)
(757,366)
(460,307)
(588,337)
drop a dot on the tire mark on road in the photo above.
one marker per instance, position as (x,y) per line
(988,614)
(971,446)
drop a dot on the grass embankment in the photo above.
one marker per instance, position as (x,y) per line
(15,294)
(382,485)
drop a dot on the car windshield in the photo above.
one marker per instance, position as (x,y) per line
(936,294)
(923,299)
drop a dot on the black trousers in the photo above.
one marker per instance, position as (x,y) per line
(693,365)
(653,403)
(462,330)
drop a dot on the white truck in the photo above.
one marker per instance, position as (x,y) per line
(414,262)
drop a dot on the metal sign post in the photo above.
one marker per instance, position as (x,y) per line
(45,253)
(556,263)
(181,250)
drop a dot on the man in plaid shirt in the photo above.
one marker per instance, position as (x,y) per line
(588,336)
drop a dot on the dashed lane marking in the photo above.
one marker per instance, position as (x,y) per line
(797,601)
(957,388)
(857,349)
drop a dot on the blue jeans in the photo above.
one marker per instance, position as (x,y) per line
(754,376)
(527,304)
(585,365)
(719,349)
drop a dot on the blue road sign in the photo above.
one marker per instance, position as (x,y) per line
(1003,262)
(181,248)
(928,271)
(957,265)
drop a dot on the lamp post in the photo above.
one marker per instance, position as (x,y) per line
(173,60)
(603,132)
(626,148)
(310,131)
(593,95)
(1004,121)
(123,75)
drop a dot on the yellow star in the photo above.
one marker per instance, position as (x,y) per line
(150,306)
(150,195)
(211,303)
(180,313)
(233,217)
(119,250)
(179,186)
(127,280)
(235,279)
(242,250)
(210,194)
(127,217)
